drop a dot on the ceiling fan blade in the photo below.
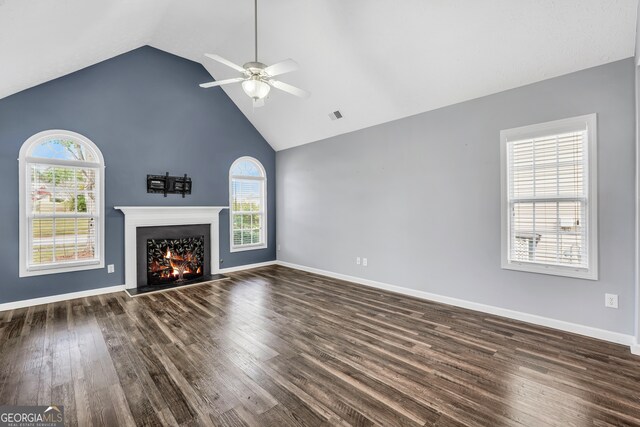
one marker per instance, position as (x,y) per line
(226,62)
(258,103)
(289,89)
(286,66)
(221,82)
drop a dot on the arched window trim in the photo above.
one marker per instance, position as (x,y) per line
(24,160)
(263,180)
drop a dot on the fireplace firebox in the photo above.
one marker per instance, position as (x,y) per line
(174,260)
(169,256)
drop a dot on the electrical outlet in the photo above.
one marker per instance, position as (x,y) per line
(358,260)
(611,300)
(111,268)
(278,248)
(364,262)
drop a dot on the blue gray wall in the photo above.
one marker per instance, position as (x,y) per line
(420,198)
(146,113)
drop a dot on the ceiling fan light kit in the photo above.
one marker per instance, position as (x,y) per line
(257,78)
(256,88)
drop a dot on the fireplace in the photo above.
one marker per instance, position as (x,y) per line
(143,223)
(172,255)
(174,260)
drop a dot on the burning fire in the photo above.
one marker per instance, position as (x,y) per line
(174,261)
(180,265)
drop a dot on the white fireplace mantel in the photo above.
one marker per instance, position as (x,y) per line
(155,216)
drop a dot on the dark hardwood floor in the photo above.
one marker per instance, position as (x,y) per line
(279,347)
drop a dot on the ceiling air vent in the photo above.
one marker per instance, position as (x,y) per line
(335,115)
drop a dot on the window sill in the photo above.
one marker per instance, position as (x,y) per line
(247,248)
(61,268)
(554,270)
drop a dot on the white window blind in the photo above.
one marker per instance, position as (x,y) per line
(248,207)
(548,204)
(62,216)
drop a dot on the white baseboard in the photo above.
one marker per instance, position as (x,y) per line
(62,297)
(575,328)
(100,291)
(247,267)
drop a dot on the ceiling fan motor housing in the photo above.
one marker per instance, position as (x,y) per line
(254,67)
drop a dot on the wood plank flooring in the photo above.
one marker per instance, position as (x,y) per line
(279,347)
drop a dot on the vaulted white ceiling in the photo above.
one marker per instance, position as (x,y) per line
(374,60)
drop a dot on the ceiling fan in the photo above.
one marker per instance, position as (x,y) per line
(258,78)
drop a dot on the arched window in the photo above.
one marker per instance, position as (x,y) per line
(247,192)
(61,204)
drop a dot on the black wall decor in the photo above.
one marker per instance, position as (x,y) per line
(166,184)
